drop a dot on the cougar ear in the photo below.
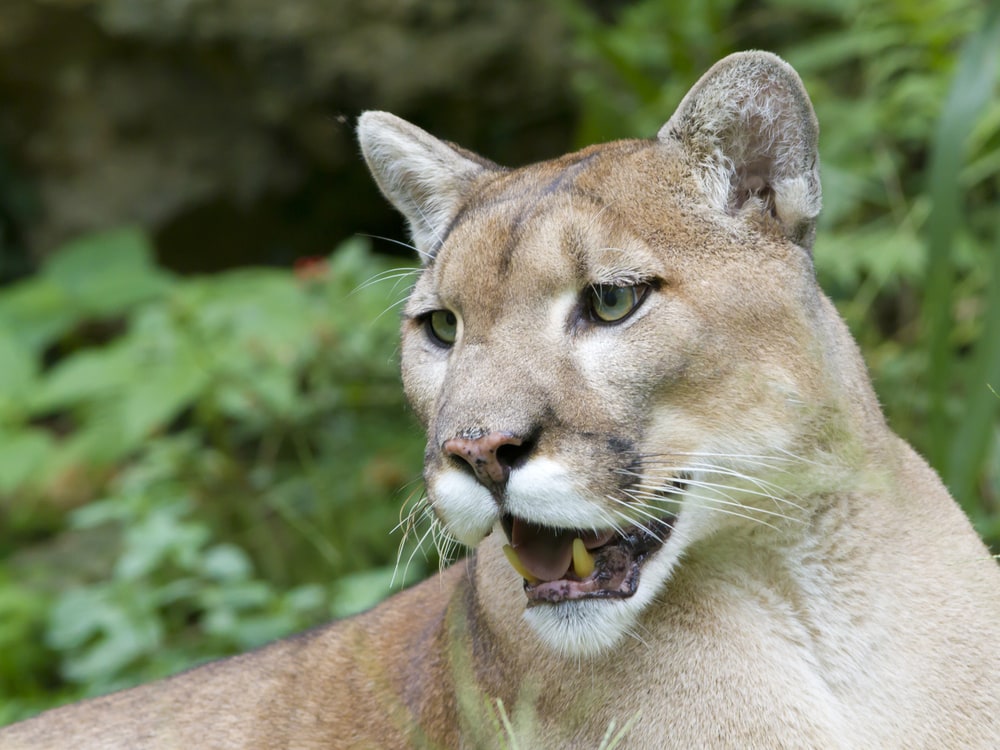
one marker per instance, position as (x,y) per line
(751,127)
(426,179)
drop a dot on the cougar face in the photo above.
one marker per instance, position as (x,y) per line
(572,356)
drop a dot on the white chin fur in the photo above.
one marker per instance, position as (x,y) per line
(590,627)
(581,628)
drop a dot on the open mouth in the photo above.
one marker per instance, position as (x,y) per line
(569,564)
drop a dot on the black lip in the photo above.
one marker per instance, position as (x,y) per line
(617,569)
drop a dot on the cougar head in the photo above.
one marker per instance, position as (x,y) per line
(610,350)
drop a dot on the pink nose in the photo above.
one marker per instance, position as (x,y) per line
(491,464)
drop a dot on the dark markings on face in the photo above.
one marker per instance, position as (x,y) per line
(528,196)
(620,445)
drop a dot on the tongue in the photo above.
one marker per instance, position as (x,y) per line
(547,553)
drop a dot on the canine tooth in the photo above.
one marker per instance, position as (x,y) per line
(516,563)
(583,561)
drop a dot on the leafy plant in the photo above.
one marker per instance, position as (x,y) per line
(959,448)
(230,451)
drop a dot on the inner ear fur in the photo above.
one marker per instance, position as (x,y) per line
(751,127)
(425,178)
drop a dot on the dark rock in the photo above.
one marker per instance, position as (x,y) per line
(226,126)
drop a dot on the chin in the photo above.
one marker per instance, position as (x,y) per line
(581,628)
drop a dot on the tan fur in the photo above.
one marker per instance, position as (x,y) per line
(819,587)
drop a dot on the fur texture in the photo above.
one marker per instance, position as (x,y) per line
(630,339)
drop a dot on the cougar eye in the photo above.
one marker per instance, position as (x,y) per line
(442,326)
(608,303)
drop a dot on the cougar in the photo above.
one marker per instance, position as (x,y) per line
(691,525)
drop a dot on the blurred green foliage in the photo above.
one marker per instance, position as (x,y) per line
(192,466)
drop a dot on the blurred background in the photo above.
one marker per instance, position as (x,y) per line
(203,443)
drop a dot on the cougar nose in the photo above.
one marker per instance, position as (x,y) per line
(491,456)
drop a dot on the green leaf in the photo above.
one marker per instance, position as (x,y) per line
(87,375)
(226,562)
(22,454)
(165,535)
(35,311)
(357,592)
(972,89)
(104,274)
(18,370)
(102,630)
(160,394)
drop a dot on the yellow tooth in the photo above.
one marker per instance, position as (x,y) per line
(583,561)
(516,563)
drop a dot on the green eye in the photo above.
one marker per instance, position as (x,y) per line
(443,326)
(609,303)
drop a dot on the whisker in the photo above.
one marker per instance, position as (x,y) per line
(707,454)
(770,463)
(773,491)
(638,502)
(597,215)
(642,511)
(633,633)
(395,304)
(430,225)
(736,514)
(609,518)
(802,459)
(760,492)
(409,560)
(732,502)
(393,274)
(412,509)
(407,245)
(446,545)
(767,489)
(709,466)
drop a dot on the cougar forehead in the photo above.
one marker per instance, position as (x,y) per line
(513,267)
(543,221)
(526,244)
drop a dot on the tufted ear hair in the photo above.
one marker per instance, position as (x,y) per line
(751,127)
(425,178)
